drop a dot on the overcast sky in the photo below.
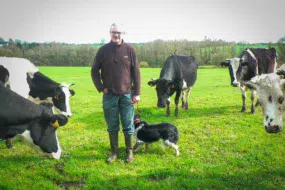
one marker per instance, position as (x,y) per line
(88,21)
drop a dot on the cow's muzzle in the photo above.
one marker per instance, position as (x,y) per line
(160,105)
(273,128)
(235,84)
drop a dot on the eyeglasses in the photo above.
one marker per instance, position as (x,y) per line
(113,32)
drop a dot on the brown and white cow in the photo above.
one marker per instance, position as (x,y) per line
(251,62)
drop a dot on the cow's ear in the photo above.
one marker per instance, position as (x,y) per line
(172,85)
(72,92)
(57,91)
(244,64)
(152,83)
(58,120)
(225,64)
(251,85)
(282,84)
(281,73)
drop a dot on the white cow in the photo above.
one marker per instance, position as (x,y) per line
(270,90)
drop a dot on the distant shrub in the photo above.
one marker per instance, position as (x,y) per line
(144,64)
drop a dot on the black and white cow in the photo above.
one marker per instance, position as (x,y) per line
(27,81)
(179,73)
(270,90)
(252,62)
(34,124)
(4,76)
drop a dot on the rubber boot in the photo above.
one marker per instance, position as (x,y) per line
(114,147)
(129,148)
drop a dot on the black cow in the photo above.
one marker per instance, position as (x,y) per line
(4,76)
(44,89)
(179,73)
(251,62)
(34,124)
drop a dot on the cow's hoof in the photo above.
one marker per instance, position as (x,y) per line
(243,109)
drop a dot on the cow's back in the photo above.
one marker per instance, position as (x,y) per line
(184,68)
(18,68)
(266,59)
(189,69)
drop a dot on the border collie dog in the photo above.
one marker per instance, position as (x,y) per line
(146,134)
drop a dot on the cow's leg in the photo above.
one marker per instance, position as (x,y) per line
(167,107)
(177,96)
(243,93)
(187,97)
(253,95)
(182,99)
(9,143)
(146,147)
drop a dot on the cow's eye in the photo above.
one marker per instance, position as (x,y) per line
(281,100)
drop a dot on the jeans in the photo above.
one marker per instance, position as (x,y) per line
(115,105)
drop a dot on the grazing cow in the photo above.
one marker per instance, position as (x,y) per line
(4,76)
(34,124)
(27,81)
(179,73)
(252,62)
(270,90)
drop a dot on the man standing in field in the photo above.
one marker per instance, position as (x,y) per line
(115,72)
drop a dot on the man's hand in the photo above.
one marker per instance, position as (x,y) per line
(136,98)
(105,91)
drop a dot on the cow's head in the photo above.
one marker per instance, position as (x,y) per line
(232,65)
(62,95)
(270,90)
(247,68)
(4,76)
(164,89)
(40,132)
(43,88)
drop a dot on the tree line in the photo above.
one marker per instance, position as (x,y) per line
(150,54)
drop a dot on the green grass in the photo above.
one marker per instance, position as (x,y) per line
(221,148)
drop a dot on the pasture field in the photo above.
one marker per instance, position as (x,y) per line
(220,147)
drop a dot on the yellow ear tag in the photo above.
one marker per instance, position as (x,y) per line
(150,85)
(56,97)
(173,86)
(55,124)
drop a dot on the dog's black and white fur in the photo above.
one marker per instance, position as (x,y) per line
(147,134)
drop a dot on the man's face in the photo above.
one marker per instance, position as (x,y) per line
(116,35)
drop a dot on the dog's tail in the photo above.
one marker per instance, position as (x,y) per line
(176,136)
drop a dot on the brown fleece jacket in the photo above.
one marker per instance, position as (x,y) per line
(116,68)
